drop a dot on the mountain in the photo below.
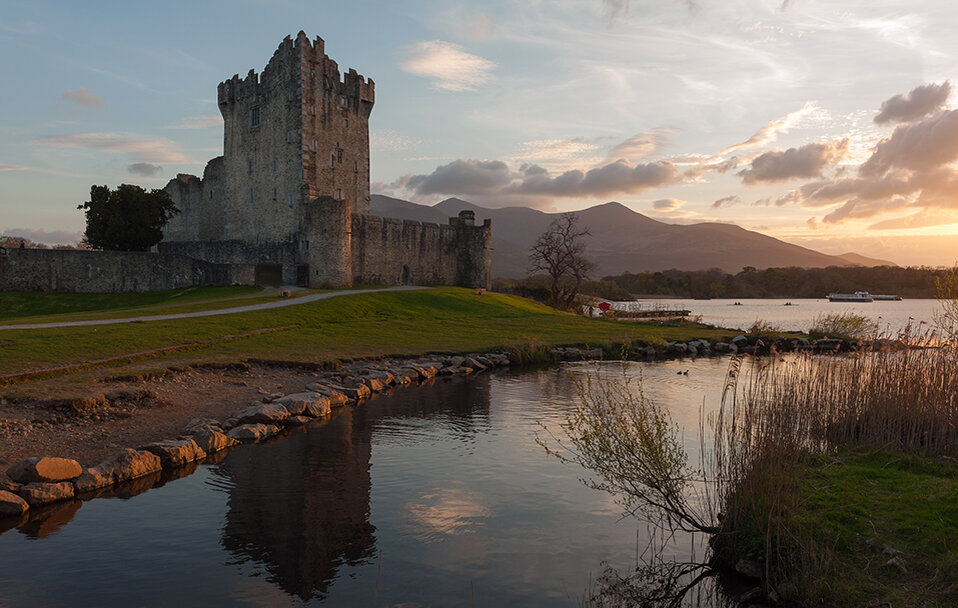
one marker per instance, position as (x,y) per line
(623,240)
(860,260)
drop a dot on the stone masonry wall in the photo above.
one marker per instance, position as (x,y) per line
(241,256)
(105,271)
(403,252)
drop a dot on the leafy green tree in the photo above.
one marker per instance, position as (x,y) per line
(126,219)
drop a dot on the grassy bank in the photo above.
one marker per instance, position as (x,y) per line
(23,307)
(839,476)
(442,319)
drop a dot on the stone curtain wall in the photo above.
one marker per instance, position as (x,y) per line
(241,256)
(390,251)
(105,271)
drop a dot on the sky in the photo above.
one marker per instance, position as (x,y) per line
(832,125)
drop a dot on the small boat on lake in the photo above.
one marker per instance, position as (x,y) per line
(860,296)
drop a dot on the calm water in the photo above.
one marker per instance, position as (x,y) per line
(892,316)
(431,496)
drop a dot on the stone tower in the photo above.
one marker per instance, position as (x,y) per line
(288,202)
(292,134)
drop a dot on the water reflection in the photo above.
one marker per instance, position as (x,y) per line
(301,507)
(434,495)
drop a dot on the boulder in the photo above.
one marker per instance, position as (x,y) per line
(93,478)
(268,413)
(11,504)
(175,452)
(353,393)
(454,361)
(40,493)
(248,433)
(375,385)
(197,423)
(130,464)
(44,469)
(474,363)
(298,420)
(211,439)
(739,340)
(295,403)
(336,398)
(319,407)
(8,484)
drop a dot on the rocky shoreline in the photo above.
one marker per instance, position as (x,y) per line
(33,483)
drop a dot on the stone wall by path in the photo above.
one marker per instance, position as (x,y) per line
(106,271)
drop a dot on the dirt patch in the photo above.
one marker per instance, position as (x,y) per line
(128,411)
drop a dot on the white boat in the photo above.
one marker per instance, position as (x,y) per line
(858,296)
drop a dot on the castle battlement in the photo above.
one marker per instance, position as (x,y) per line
(294,178)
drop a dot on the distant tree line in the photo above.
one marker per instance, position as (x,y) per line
(793,282)
(13,242)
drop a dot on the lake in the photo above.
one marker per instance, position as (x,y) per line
(798,316)
(429,496)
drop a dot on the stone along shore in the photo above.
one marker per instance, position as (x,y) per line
(35,482)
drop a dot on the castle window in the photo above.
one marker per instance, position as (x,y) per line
(252,197)
(339,194)
(275,164)
(332,161)
(342,100)
(274,194)
(355,166)
(254,117)
(211,194)
(315,146)
(249,168)
(289,200)
(289,137)
(346,123)
(339,155)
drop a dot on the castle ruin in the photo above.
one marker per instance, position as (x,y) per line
(289,198)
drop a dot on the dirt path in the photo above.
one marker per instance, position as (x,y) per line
(209,313)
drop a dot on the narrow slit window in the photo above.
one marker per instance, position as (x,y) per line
(254,117)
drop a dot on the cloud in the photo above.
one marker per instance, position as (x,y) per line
(50,237)
(447,65)
(4,167)
(620,177)
(726,201)
(918,146)
(203,121)
(145,169)
(807,161)
(534,183)
(84,97)
(140,148)
(862,209)
(463,176)
(769,132)
(920,102)
(922,219)
(641,145)
(667,204)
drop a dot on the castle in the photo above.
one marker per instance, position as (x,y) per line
(290,195)
(287,203)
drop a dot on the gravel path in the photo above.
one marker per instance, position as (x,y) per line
(209,313)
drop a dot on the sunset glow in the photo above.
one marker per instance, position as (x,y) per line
(829,125)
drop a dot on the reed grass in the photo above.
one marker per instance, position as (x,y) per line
(782,420)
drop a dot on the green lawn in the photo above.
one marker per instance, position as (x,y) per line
(22,307)
(363,325)
(904,502)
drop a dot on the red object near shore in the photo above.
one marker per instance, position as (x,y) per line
(604,306)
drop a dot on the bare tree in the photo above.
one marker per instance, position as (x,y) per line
(560,253)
